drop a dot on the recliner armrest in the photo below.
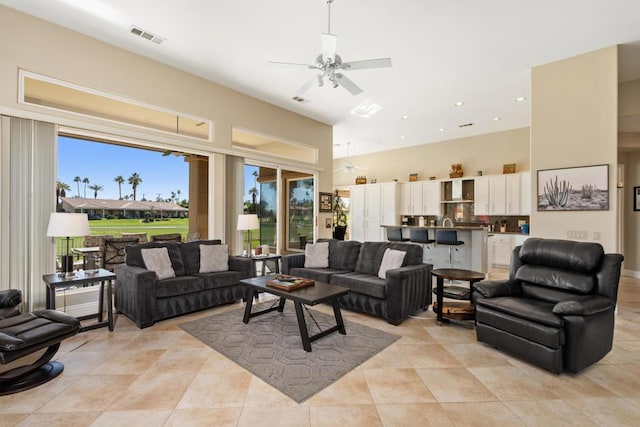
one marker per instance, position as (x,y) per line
(497,288)
(292,261)
(10,298)
(583,306)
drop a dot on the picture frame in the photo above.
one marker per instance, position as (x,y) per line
(508,168)
(636,198)
(579,188)
(326,204)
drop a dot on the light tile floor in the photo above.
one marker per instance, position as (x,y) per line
(435,375)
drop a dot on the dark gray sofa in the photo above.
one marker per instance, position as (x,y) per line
(556,310)
(355,265)
(145,300)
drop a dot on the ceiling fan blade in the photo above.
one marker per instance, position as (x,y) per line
(346,83)
(367,63)
(292,64)
(305,87)
(329,44)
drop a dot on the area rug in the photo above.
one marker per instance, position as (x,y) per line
(269,346)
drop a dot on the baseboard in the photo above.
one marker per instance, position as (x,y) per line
(631,273)
(78,302)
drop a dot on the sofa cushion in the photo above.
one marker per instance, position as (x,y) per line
(177,286)
(134,256)
(343,254)
(371,254)
(563,254)
(316,255)
(552,277)
(322,275)
(214,258)
(191,254)
(220,279)
(157,260)
(361,283)
(391,260)
(524,308)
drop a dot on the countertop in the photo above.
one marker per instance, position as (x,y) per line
(459,227)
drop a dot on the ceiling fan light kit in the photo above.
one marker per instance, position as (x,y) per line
(329,64)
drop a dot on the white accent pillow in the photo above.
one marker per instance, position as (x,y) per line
(316,255)
(214,258)
(391,260)
(157,259)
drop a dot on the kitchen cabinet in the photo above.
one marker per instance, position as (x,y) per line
(512,194)
(372,205)
(525,193)
(420,198)
(497,195)
(500,247)
(481,196)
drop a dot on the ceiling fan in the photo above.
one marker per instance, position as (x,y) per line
(348,167)
(330,64)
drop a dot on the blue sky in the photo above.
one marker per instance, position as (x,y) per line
(101,163)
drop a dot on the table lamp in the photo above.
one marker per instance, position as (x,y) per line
(62,224)
(248,222)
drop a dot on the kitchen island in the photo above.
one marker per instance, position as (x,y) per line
(470,256)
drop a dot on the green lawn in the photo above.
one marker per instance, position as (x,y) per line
(116,227)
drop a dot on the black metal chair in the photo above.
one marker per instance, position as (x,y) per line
(113,251)
(394,234)
(28,337)
(420,235)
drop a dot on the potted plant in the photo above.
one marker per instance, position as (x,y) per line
(339,217)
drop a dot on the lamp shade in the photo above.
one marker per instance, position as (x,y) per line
(248,222)
(62,224)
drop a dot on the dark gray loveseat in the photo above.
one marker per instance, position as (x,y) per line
(556,310)
(355,265)
(145,299)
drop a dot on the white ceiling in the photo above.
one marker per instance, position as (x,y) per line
(443,51)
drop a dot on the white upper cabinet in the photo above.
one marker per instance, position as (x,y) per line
(512,199)
(405,198)
(497,195)
(525,193)
(431,198)
(373,205)
(481,195)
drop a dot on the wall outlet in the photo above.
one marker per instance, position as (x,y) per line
(596,235)
(577,234)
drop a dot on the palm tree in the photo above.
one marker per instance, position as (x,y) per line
(77,180)
(61,191)
(120,180)
(134,180)
(95,188)
(85,181)
(178,195)
(254,194)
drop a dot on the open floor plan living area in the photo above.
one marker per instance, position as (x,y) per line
(319,213)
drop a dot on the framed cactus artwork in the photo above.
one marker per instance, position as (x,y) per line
(582,188)
(636,198)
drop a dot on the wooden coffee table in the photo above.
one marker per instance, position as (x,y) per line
(320,292)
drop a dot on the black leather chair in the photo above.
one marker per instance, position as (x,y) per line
(556,310)
(394,234)
(420,235)
(25,337)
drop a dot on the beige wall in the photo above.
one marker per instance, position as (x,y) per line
(483,152)
(574,123)
(34,45)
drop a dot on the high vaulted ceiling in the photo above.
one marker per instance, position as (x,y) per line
(443,52)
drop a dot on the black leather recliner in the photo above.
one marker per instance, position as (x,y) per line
(556,310)
(28,342)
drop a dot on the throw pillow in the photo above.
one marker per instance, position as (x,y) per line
(157,259)
(391,260)
(214,258)
(316,255)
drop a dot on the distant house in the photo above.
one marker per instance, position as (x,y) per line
(105,208)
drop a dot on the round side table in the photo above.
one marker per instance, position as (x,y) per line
(452,274)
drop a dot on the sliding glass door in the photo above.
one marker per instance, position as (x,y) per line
(300,198)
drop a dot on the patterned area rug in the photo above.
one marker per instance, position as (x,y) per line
(269,346)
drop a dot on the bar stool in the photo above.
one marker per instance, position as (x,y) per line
(394,234)
(449,238)
(420,235)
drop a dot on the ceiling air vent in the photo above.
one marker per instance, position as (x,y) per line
(146,34)
(300,99)
(464,125)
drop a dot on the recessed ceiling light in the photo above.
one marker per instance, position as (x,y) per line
(405,117)
(459,104)
(520,98)
(440,129)
(495,119)
(402,137)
